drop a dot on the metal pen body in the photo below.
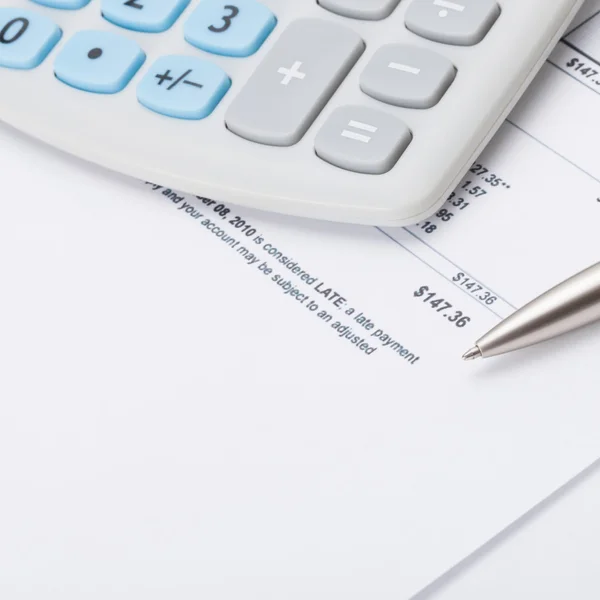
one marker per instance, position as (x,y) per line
(568,306)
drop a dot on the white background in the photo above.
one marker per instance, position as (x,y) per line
(553,554)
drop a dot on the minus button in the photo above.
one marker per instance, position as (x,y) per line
(404,68)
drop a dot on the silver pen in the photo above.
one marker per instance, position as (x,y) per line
(570,305)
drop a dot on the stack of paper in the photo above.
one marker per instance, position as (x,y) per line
(199,401)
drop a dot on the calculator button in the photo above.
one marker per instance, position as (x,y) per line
(65,4)
(237,28)
(150,16)
(363,140)
(98,61)
(26,38)
(369,10)
(460,22)
(294,82)
(407,76)
(183,87)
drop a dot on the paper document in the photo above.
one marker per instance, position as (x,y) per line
(199,401)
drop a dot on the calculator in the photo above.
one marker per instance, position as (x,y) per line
(357,111)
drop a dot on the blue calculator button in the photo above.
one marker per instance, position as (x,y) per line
(151,16)
(66,4)
(236,28)
(26,38)
(98,61)
(183,87)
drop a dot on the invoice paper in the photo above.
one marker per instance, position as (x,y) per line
(198,401)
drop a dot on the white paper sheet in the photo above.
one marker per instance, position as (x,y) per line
(176,421)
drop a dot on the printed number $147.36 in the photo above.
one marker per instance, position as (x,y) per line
(442,307)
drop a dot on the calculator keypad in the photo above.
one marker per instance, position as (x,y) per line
(237,29)
(64,4)
(150,16)
(294,82)
(98,61)
(290,86)
(407,76)
(370,10)
(26,38)
(183,87)
(363,140)
(460,22)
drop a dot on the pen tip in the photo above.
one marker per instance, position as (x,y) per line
(472,354)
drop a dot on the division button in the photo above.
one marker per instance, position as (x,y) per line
(26,38)
(456,22)
(183,87)
(363,140)
(294,82)
(101,62)
(407,76)
(368,10)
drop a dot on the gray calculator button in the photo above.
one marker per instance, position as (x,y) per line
(291,86)
(369,10)
(407,76)
(364,140)
(459,22)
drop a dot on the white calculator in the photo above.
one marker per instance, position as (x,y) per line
(361,111)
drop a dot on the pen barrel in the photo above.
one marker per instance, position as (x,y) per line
(566,307)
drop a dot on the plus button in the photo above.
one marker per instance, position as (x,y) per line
(293,73)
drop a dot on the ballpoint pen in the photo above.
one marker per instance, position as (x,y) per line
(570,305)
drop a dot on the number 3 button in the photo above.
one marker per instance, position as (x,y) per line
(237,28)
